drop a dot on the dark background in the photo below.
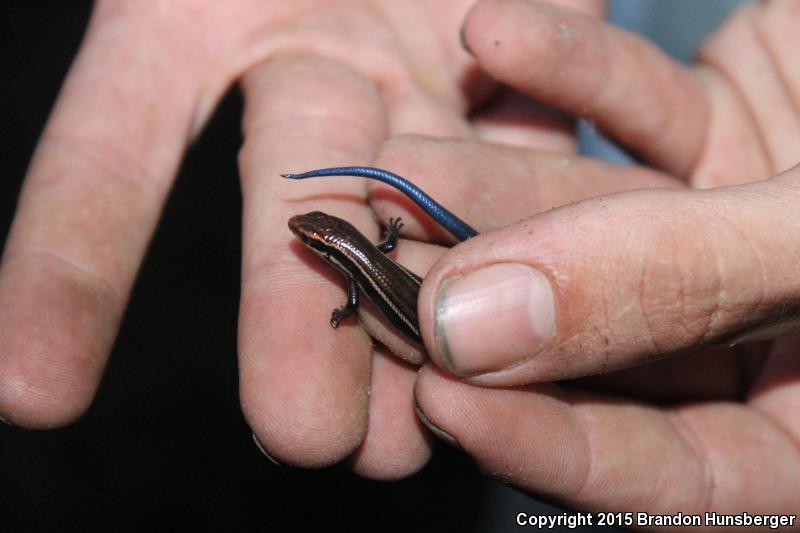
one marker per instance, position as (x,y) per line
(165,444)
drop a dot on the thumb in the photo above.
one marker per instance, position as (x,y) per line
(617,281)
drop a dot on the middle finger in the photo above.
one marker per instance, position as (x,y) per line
(304,386)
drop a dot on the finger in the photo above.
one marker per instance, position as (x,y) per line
(595,452)
(512,118)
(304,385)
(586,67)
(90,200)
(396,444)
(491,186)
(616,281)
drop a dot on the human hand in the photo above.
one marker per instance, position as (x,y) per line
(636,278)
(325,84)
(110,116)
(143,85)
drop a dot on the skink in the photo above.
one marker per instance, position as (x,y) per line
(389,285)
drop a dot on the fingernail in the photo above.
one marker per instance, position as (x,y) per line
(462,36)
(263,451)
(436,430)
(493,318)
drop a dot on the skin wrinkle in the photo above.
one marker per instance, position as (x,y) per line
(758,303)
(316,118)
(758,307)
(753,23)
(380,66)
(609,330)
(61,257)
(643,277)
(776,424)
(682,322)
(683,287)
(727,79)
(332,151)
(98,300)
(608,336)
(763,39)
(682,299)
(295,279)
(675,272)
(140,187)
(588,471)
(714,312)
(109,160)
(688,435)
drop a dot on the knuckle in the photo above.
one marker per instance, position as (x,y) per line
(679,296)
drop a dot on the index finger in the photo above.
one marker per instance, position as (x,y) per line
(586,67)
(89,203)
